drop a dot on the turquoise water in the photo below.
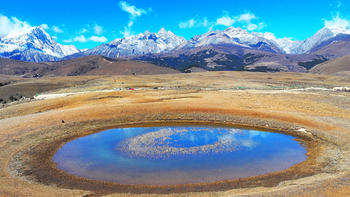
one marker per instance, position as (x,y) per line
(177,155)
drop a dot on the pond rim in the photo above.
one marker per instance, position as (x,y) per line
(299,148)
(46,172)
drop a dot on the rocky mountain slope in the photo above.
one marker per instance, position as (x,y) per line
(141,44)
(229,49)
(230,57)
(237,37)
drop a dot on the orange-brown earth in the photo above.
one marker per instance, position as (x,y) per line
(303,105)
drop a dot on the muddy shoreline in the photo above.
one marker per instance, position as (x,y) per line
(39,167)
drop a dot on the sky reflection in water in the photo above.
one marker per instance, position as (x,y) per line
(237,153)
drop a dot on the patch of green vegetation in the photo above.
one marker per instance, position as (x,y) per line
(231,62)
(251,58)
(262,69)
(183,62)
(310,64)
(242,88)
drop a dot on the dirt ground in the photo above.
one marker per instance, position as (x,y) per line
(302,105)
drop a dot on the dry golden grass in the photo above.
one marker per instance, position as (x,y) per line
(250,98)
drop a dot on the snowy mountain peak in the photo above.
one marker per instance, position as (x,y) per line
(236,30)
(146,34)
(338,29)
(34,44)
(164,31)
(143,43)
(235,36)
(322,35)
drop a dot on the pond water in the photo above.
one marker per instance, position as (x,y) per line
(178,154)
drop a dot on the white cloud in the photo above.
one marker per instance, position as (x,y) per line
(12,25)
(98,29)
(80,38)
(338,23)
(127,29)
(131,9)
(133,12)
(44,26)
(98,39)
(68,40)
(247,17)
(57,29)
(205,22)
(252,27)
(244,20)
(191,23)
(225,21)
(187,24)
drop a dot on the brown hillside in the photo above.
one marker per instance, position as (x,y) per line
(98,65)
(339,66)
(89,65)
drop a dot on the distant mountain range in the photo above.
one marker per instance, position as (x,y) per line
(230,49)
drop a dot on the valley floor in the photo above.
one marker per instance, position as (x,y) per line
(304,105)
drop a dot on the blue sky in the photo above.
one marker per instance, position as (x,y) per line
(87,23)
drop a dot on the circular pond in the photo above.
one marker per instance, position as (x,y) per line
(178,155)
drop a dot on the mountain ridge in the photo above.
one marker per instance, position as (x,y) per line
(229,49)
(36,45)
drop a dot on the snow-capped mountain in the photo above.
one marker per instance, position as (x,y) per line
(36,45)
(321,36)
(141,44)
(236,36)
(33,45)
(286,44)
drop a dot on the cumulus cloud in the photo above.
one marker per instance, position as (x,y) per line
(205,22)
(225,21)
(131,9)
(80,38)
(246,20)
(98,29)
(12,25)
(133,12)
(45,26)
(187,24)
(57,29)
(337,23)
(98,39)
(83,39)
(192,23)
(247,17)
(253,27)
